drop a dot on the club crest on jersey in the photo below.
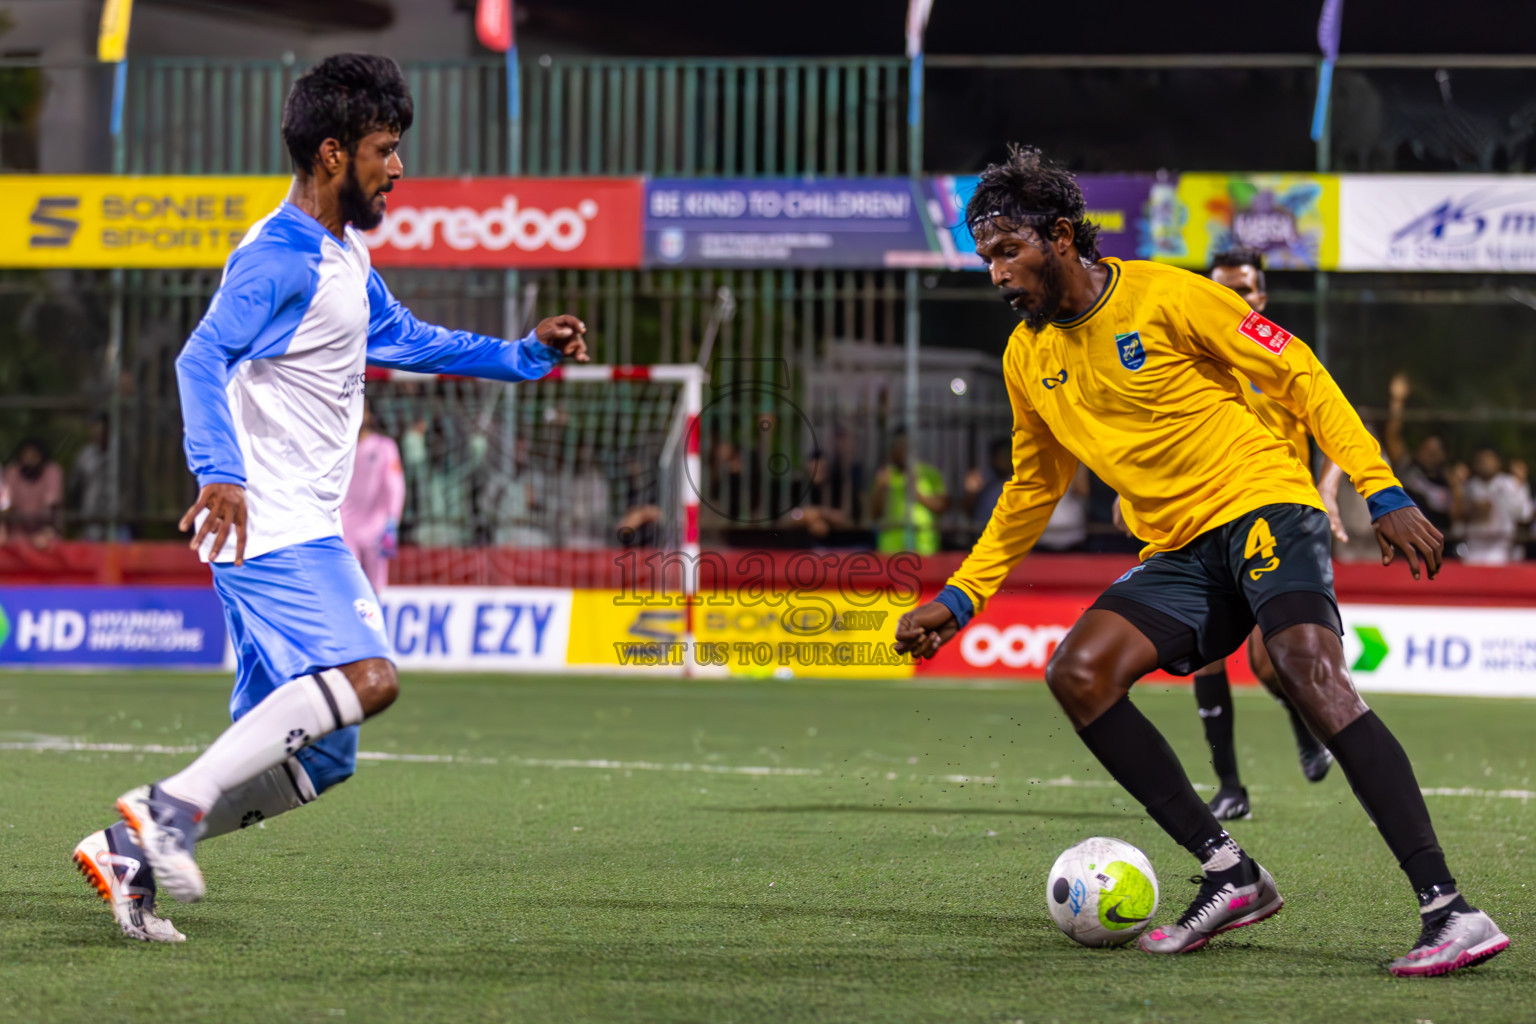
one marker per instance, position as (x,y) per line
(1133,355)
(369,613)
(1266,332)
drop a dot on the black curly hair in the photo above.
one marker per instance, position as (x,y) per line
(344,97)
(1027,190)
(1241,256)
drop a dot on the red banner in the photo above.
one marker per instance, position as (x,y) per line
(1017,635)
(511,222)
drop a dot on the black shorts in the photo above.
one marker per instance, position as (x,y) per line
(1272,567)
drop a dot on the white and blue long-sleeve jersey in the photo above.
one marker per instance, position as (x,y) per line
(272,378)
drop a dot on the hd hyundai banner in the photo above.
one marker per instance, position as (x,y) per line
(129,627)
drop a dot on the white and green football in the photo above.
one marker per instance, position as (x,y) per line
(1102,892)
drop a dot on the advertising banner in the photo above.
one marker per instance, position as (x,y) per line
(478,629)
(815,634)
(511,222)
(111,627)
(1481,652)
(101,221)
(1293,219)
(1437,222)
(1017,635)
(788,222)
(1120,204)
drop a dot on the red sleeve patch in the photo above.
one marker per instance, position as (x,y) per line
(1266,332)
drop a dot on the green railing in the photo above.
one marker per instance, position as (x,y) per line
(750,118)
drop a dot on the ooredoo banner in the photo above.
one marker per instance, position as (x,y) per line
(1437,222)
(511,222)
(105,627)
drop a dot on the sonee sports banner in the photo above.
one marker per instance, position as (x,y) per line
(100,221)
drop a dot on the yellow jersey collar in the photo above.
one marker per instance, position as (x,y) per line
(1109,287)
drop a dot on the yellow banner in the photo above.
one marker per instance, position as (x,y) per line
(1293,219)
(102,221)
(815,634)
(112,43)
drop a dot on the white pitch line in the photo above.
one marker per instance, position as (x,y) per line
(62,744)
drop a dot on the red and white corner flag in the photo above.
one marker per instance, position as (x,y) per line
(493,24)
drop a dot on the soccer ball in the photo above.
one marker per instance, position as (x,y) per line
(1102,892)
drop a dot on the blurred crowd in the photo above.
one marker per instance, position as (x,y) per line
(441,483)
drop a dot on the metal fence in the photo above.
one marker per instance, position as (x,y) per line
(1464,339)
(599,116)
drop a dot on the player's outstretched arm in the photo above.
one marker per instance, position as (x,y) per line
(1042,471)
(396,339)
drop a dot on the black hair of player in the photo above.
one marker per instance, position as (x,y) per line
(345,97)
(1027,190)
(1242,256)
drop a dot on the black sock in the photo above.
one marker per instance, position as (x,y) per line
(1214,695)
(1383,781)
(1135,753)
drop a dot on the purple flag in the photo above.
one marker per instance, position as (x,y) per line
(1328,25)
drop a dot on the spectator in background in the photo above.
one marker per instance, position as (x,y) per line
(1425,475)
(984,487)
(32,496)
(888,502)
(1067,529)
(370,513)
(88,483)
(1493,506)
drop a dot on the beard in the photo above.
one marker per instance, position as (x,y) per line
(1037,308)
(357,207)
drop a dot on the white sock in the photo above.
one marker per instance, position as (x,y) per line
(293,716)
(1227,855)
(269,794)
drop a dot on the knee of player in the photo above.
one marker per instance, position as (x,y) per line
(1071,672)
(376,682)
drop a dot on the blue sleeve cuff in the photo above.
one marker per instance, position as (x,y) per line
(959,604)
(1389,500)
(205,479)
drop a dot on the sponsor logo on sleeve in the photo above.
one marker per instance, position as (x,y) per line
(1266,332)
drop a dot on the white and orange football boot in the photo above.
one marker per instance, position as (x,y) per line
(115,866)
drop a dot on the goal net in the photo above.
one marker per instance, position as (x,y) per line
(543,482)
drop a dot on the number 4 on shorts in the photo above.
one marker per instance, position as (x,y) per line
(1261,542)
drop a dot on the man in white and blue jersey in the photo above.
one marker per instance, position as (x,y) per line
(272,396)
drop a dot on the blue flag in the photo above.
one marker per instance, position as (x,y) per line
(1329,24)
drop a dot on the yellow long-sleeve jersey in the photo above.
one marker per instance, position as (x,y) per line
(1283,423)
(1141,388)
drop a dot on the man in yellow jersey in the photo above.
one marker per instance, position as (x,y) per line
(1128,367)
(1242,270)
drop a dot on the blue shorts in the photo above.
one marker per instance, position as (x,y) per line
(295,611)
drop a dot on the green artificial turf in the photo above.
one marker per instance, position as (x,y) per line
(597,850)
